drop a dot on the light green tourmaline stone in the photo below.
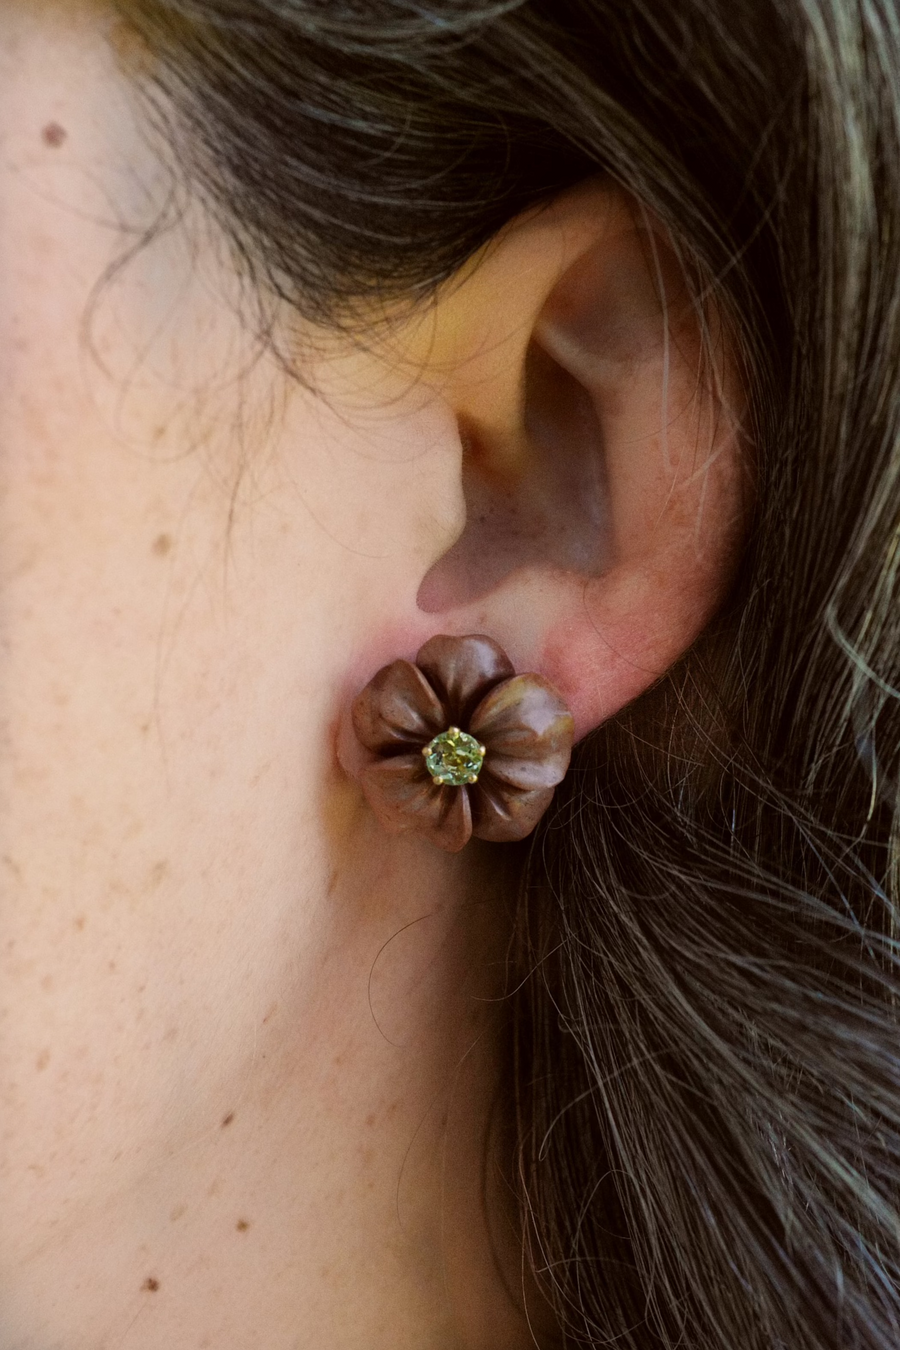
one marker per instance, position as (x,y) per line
(454,758)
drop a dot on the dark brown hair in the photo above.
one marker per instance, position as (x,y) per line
(708,1041)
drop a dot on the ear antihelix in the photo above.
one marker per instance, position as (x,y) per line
(458,744)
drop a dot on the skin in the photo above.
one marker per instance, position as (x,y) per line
(251,1048)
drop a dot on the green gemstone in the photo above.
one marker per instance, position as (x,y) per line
(454,758)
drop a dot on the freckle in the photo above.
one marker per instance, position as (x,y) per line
(370,1119)
(214,1188)
(162,545)
(171,1034)
(177,1212)
(54,135)
(228,1119)
(80,922)
(111,965)
(42,1061)
(47,983)
(157,873)
(151,1284)
(242,1225)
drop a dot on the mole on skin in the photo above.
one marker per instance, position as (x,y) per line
(151,1284)
(54,135)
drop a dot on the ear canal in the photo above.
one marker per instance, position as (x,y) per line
(545,507)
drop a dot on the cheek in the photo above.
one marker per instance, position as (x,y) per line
(97,806)
(181,594)
(173,634)
(163,704)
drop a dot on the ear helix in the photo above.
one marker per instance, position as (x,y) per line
(459,745)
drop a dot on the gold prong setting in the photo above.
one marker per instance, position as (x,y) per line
(454,758)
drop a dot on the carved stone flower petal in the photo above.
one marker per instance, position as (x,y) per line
(404,797)
(400,792)
(467,688)
(397,708)
(501,815)
(455,828)
(528,730)
(462,670)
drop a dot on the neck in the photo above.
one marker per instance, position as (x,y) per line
(342,1181)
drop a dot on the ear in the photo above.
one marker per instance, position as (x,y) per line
(602,465)
(599,415)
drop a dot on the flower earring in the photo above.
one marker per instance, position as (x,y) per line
(459,744)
